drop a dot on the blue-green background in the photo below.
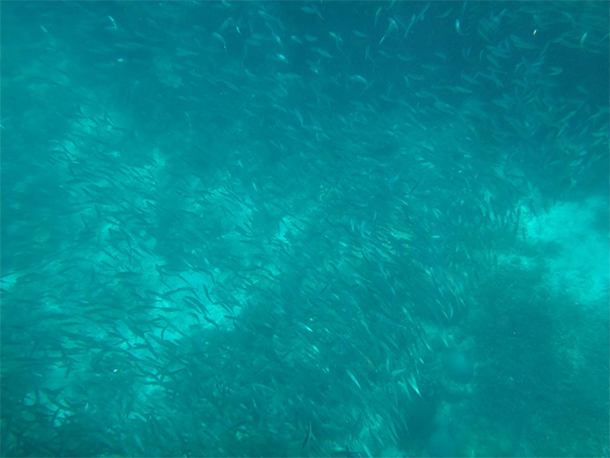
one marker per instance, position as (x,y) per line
(304,229)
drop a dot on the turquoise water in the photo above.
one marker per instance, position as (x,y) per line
(305,229)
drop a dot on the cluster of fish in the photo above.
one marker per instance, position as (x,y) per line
(235,229)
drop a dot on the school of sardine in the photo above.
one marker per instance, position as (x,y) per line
(260,228)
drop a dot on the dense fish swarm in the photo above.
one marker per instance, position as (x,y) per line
(346,229)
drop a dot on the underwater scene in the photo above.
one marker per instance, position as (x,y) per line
(305,229)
